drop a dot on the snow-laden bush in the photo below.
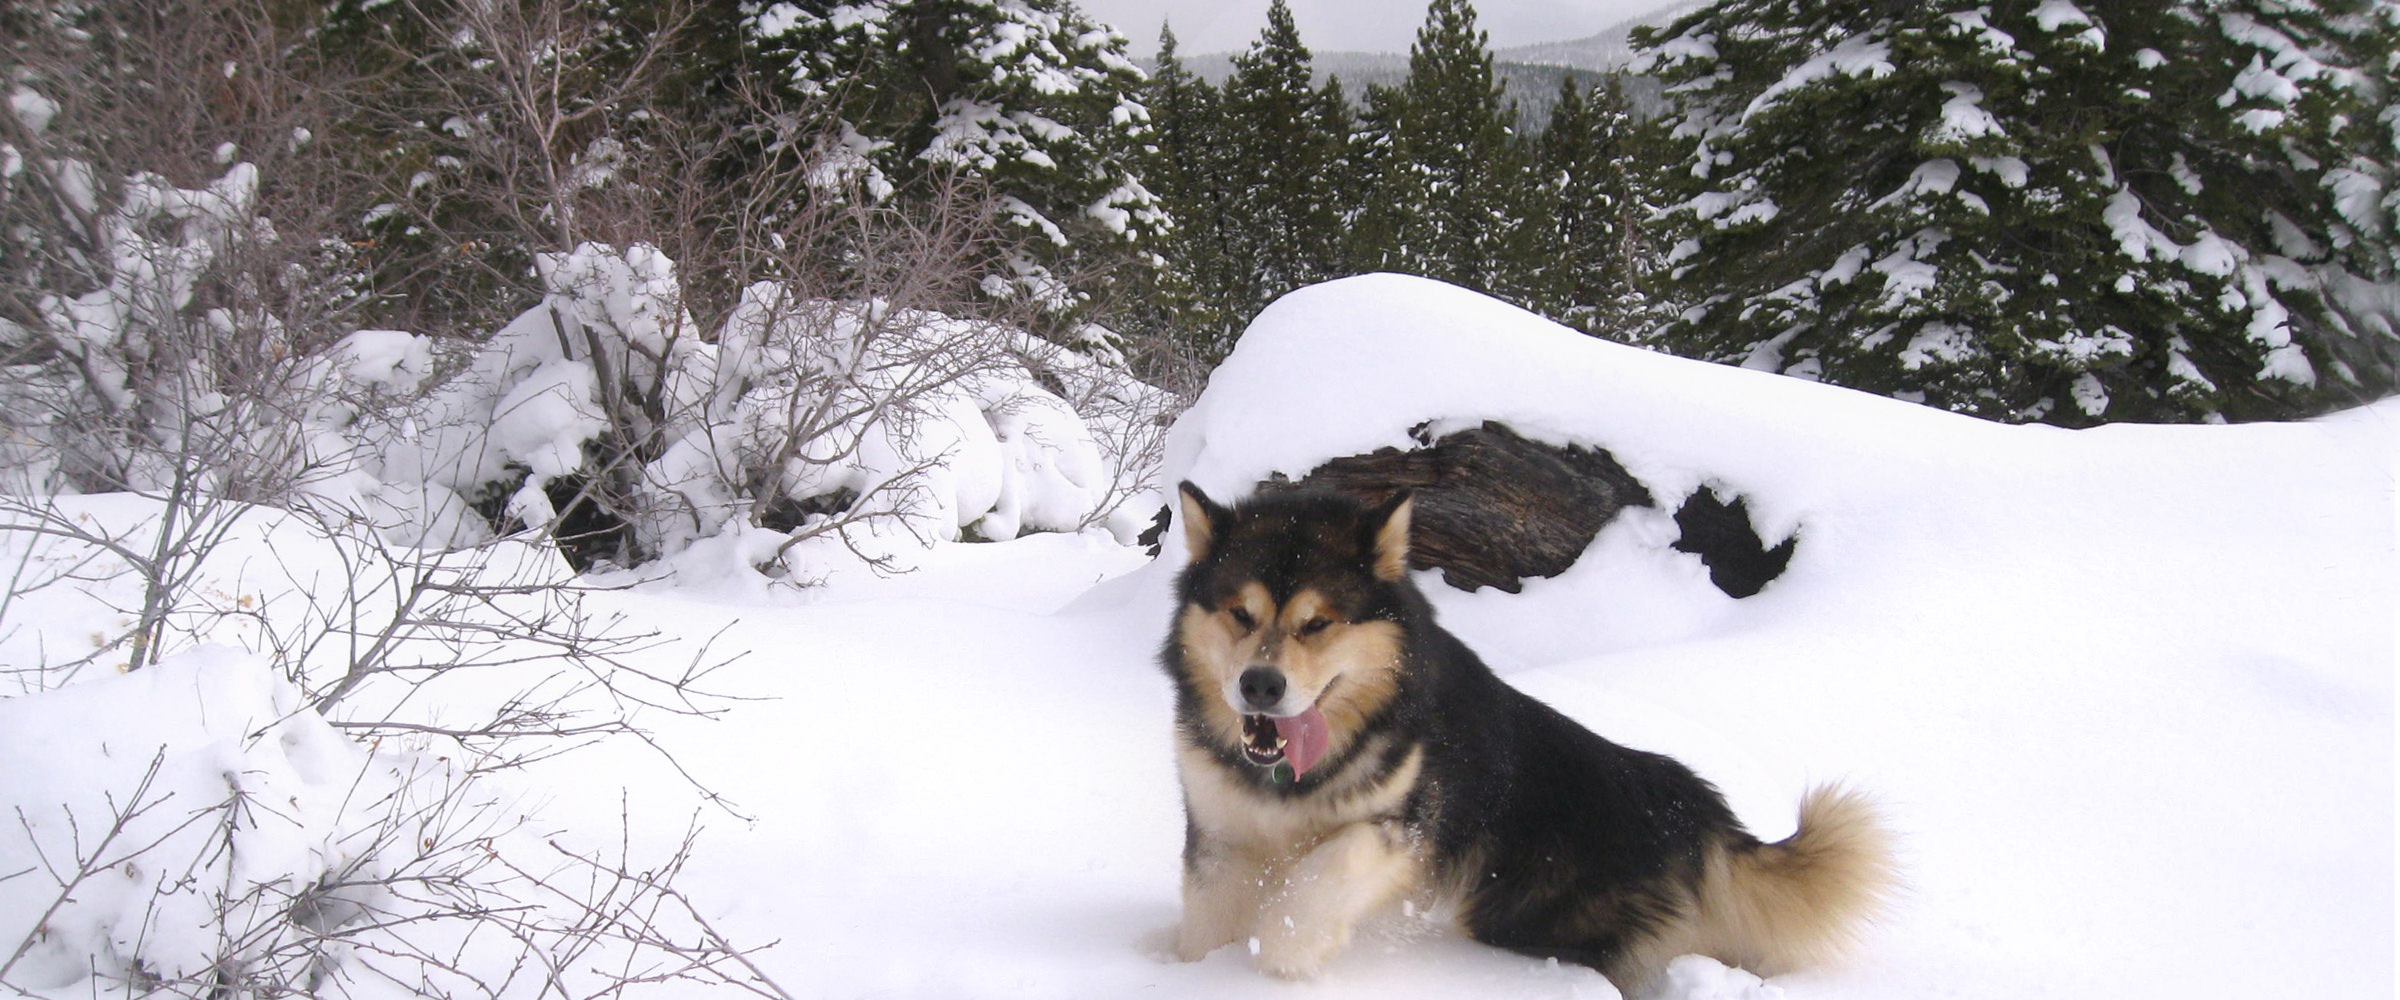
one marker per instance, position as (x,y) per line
(889,427)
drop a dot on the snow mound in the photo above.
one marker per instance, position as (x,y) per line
(196,798)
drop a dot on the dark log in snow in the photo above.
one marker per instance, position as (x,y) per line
(1492,507)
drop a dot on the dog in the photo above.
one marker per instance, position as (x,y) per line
(1339,751)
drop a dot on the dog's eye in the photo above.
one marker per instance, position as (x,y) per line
(1241,617)
(1314,626)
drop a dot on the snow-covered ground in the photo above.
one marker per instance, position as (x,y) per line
(2127,692)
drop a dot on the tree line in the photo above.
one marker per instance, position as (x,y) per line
(2029,210)
(1276,182)
(2024,211)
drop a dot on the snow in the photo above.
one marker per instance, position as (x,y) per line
(2185,177)
(1976,22)
(2054,15)
(1963,116)
(33,109)
(215,725)
(1906,273)
(391,359)
(2012,171)
(1855,56)
(2260,120)
(1937,341)
(1936,176)
(2285,55)
(937,425)
(2127,693)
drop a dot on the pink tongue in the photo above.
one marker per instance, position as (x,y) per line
(1306,737)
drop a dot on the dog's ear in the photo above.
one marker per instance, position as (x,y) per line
(1201,519)
(1389,521)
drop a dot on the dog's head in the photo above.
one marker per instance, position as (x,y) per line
(1289,634)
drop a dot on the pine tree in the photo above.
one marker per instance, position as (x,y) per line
(2040,211)
(1030,96)
(1588,211)
(1285,139)
(1186,166)
(1448,176)
(487,125)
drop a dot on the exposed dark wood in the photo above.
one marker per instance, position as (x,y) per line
(1492,507)
(1721,535)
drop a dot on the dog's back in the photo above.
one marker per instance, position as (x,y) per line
(1564,844)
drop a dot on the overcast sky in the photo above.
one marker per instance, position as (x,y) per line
(1354,25)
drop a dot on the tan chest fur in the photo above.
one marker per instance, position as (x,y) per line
(1275,826)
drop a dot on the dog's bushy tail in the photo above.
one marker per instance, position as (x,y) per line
(1772,908)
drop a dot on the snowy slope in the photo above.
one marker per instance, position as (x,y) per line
(2127,692)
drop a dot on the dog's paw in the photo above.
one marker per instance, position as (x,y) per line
(1290,950)
(1161,944)
(1183,943)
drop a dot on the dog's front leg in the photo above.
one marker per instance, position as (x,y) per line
(1360,867)
(1222,887)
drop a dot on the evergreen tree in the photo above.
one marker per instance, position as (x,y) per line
(1591,213)
(1447,190)
(1186,165)
(2041,211)
(490,127)
(1285,141)
(1031,96)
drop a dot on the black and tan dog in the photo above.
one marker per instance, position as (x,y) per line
(1340,751)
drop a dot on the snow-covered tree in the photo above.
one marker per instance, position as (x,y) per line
(1031,96)
(1445,195)
(1593,227)
(1189,169)
(1286,142)
(157,330)
(2040,210)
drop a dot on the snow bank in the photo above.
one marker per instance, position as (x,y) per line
(267,848)
(160,810)
(2127,692)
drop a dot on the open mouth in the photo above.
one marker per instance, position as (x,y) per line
(1299,740)
(1261,743)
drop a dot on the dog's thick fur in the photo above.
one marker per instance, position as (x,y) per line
(1443,785)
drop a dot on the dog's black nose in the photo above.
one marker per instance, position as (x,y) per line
(1262,687)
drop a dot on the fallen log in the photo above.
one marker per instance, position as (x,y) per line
(1494,508)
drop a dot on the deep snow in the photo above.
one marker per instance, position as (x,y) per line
(2127,693)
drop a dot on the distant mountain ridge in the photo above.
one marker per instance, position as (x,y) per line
(1529,74)
(1609,51)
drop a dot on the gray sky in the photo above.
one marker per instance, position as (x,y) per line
(1354,25)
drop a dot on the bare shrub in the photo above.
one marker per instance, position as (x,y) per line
(163,340)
